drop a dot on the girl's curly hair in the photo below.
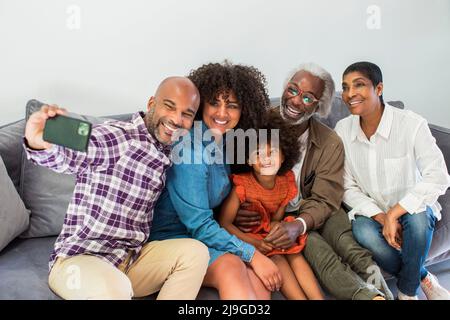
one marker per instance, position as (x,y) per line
(246,82)
(288,139)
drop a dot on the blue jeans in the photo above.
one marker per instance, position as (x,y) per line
(406,265)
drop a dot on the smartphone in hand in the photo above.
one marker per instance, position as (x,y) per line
(68,132)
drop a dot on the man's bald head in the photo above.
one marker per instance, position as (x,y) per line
(179,85)
(173,107)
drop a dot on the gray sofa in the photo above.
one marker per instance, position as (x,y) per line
(24,261)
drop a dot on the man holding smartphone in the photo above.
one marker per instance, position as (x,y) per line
(102,250)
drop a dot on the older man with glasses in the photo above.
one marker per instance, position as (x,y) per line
(344,268)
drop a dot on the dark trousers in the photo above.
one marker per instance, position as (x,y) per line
(343,267)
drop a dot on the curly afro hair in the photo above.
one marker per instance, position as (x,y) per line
(288,139)
(246,82)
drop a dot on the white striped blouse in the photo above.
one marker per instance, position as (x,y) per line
(401,163)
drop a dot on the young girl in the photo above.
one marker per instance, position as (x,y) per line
(269,188)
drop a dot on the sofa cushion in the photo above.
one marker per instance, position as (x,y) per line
(47,193)
(14,217)
(24,270)
(11,149)
(338,111)
(440,245)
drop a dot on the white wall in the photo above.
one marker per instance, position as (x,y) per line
(114,61)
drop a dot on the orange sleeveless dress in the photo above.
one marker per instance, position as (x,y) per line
(266,202)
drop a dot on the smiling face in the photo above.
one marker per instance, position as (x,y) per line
(300,97)
(358,92)
(267,160)
(172,109)
(223,113)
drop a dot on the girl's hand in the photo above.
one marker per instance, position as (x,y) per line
(284,234)
(273,224)
(263,247)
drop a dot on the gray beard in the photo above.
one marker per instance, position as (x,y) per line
(305,117)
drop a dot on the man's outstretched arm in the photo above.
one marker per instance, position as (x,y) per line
(57,158)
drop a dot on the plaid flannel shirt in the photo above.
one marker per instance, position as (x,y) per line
(118,181)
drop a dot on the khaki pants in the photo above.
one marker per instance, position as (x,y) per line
(174,267)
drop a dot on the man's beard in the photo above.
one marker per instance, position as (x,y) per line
(303,118)
(153,128)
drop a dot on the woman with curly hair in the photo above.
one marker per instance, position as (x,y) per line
(232,96)
(268,189)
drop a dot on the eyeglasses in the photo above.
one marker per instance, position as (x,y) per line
(307,98)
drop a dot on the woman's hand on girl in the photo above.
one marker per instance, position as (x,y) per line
(245,220)
(267,271)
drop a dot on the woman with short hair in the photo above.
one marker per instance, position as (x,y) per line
(394,174)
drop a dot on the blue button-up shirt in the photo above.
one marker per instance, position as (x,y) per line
(193,190)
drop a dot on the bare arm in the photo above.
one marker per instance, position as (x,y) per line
(279,214)
(227,215)
(61,159)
